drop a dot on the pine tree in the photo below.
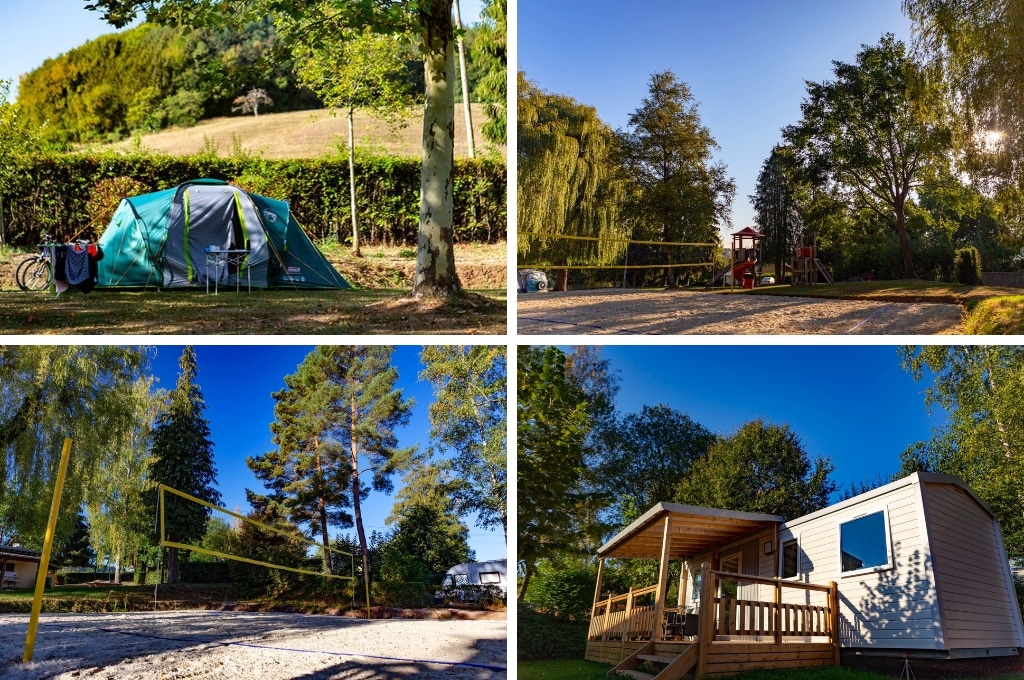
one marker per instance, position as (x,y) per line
(183,460)
(308,470)
(364,407)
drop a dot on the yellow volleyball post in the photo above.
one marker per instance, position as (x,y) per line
(44,559)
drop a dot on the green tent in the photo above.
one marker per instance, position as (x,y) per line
(163,239)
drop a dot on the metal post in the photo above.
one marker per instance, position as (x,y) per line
(44,560)
(465,82)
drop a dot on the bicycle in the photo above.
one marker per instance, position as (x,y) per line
(34,273)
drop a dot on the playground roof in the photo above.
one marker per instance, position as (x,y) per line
(693,530)
(748,231)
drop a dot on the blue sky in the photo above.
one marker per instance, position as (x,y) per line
(745,61)
(36,30)
(853,404)
(237,382)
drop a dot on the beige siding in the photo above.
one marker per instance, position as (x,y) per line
(893,608)
(970,571)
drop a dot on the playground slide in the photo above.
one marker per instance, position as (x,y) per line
(737,271)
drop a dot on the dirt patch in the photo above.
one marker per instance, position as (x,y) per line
(664,312)
(243,645)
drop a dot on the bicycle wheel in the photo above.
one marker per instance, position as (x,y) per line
(33,273)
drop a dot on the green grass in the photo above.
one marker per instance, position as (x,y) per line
(588,670)
(561,669)
(997,316)
(264,312)
(908,290)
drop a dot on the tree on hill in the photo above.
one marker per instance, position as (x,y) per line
(250,102)
(432,21)
(873,134)
(675,192)
(569,183)
(759,468)
(468,417)
(183,460)
(365,71)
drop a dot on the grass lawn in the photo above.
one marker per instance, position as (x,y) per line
(588,670)
(265,312)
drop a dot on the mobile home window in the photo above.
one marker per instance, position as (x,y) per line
(490,577)
(789,559)
(698,579)
(862,542)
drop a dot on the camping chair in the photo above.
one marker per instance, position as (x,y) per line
(691,625)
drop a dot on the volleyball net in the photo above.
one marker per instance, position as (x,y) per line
(690,248)
(163,489)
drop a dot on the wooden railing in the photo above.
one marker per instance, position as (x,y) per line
(730,618)
(629,617)
(620,617)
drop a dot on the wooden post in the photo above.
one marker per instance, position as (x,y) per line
(662,592)
(707,619)
(597,588)
(833,605)
(778,611)
(681,595)
(625,624)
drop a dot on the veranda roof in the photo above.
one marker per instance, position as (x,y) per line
(694,530)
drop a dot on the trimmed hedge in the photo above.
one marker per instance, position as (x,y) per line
(57,188)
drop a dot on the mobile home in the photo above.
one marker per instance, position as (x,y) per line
(471,579)
(20,566)
(916,567)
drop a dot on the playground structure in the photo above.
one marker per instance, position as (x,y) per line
(744,263)
(806,267)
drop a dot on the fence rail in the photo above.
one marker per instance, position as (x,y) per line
(1007,279)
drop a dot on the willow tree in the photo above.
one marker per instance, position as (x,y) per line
(979,45)
(492,55)
(48,393)
(569,183)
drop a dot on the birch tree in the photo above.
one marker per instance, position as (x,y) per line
(468,417)
(979,386)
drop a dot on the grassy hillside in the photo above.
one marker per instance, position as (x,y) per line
(304,134)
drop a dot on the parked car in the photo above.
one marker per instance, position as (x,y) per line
(767,280)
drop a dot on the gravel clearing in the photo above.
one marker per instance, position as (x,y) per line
(206,644)
(667,312)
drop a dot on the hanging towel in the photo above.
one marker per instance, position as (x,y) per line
(76,265)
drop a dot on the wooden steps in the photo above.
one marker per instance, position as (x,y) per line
(670,660)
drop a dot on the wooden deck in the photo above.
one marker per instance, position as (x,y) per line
(734,634)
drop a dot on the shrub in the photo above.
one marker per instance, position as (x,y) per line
(967,264)
(542,636)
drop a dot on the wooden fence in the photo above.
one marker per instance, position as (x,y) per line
(1007,279)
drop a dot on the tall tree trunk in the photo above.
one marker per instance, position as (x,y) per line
(435,256)
(352,181)
(357,512)
(561,279)
(527,573)
(465,84)
(117,570)
(901,229)
(322,510)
